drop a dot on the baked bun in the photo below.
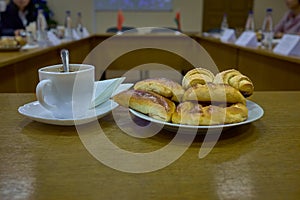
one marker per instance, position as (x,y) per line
(197,76)
(192,113)
(149,103)
(211,92)
(165,87)
(20,40)
(8,42)
(187,113)
(237,80)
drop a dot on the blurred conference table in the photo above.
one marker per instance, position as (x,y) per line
(255,161)
(269,71)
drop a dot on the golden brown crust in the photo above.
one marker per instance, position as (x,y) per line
(214,93)
(149,103)
(190,113)
(236,113)
(8,42)
(197,76)
(237,80)
(187,113)
(165,87)
(207,100)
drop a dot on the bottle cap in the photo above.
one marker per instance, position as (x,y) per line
(269,9)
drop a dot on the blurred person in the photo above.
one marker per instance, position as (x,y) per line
(290,22)
(18,14)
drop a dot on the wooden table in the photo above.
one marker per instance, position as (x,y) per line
(257,161)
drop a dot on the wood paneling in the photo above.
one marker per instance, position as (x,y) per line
(224,56)
(237,12)
(26,72)
(7,78)
(269,71)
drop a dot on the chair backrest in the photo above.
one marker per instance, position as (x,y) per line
(214,30)
(164,30)
(124,28)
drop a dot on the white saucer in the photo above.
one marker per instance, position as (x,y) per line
(37,113)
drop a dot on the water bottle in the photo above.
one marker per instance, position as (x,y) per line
(267,30)
(68,26)
(250,22)
(2,9)
(41,29)
(2,5)
(79,26)
(224,24)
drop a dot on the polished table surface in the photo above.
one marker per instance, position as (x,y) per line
(256,161)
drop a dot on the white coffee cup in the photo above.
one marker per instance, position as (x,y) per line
(67,95)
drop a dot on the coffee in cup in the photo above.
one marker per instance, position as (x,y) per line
(67,95)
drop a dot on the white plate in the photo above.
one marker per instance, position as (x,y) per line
(255,112)
(37,113)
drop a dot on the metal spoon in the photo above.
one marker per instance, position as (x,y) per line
(64,54)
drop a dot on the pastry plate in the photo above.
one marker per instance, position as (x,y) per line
(255,112)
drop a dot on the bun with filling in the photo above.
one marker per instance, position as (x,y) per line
(192,113)
(165,87)
(148,103)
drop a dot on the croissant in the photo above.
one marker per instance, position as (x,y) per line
(197,76)
(237,80)
(211,92)
(194,114)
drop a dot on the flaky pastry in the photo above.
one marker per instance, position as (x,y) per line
(197,76)
(165,87)
(192,113)
(237,80)
(149,103)
(214,93)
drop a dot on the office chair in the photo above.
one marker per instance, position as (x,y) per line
(125,28)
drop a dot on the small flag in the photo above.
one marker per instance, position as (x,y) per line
(120,20)
(177,21)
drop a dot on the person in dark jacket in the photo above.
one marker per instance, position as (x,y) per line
(18,14)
